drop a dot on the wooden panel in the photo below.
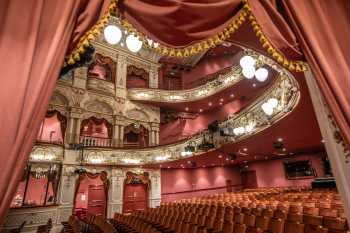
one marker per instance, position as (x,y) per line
(135,197)
(97,200)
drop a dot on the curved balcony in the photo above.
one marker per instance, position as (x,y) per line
(210,88)
(244,124)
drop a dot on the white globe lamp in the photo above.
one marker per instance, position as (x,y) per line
(273,102)
(133,43)
(247,61)
(267,108)
(261,74)
(248,72)
(112,34)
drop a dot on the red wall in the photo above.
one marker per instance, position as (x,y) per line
(50,126)
(271,173)
(180,129)
(185,183)
(205,67)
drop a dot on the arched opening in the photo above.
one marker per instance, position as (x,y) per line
(91,195)
(135,135)
(53,128)
(103,68)
(136,189)
(96,132)
(136,77)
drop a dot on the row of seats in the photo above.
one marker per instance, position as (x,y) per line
(90,224)
(252,211)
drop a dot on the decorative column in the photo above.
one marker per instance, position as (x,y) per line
(80,77)
(155,195)
(121,135)
(77,130)
(154,134)
(151,135)
(153,77)
(115,195)
(337,154)
(66,193)
(118,121)
(157,137)
(70,130)
(75,124)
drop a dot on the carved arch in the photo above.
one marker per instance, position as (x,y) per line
(138,115)
(99,106)
(59,98)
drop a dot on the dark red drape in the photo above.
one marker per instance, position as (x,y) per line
(34,37)
(323,29)
(178,23)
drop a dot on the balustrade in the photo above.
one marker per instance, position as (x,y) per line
(96,141)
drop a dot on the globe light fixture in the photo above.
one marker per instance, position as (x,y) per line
(267,108)
(247,61)
(133,43)
(273,102)
(261,74)
(112,34)
(248,72)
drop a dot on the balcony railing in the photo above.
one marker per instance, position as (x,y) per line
(96,141)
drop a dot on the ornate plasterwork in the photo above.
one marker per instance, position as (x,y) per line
(222,82)
(46,153)
(101,86)
(99,105)
(285,89)
(32,217)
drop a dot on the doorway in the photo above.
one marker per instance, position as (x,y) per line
(91,195)
(248,179)
(136,188)
(135,198)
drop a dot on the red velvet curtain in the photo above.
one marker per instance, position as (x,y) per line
(178,23)
(323,29)
(34,37)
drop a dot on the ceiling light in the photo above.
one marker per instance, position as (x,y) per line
(210,103)
(220,103)
(273,102)
(249,128)
(267,108)
(186,108)
(221,99)
(245,149)
(220,156)
(133,43)
(112,34)
(247,61)
(162,158)
(155,44)
(238,130)
(132,161)
(248,72)
(150,42)
(232,95)
(200,110)
(254,85)
(261,74)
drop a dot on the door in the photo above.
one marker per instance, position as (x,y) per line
(248,179)
(135,197)
(97,200)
